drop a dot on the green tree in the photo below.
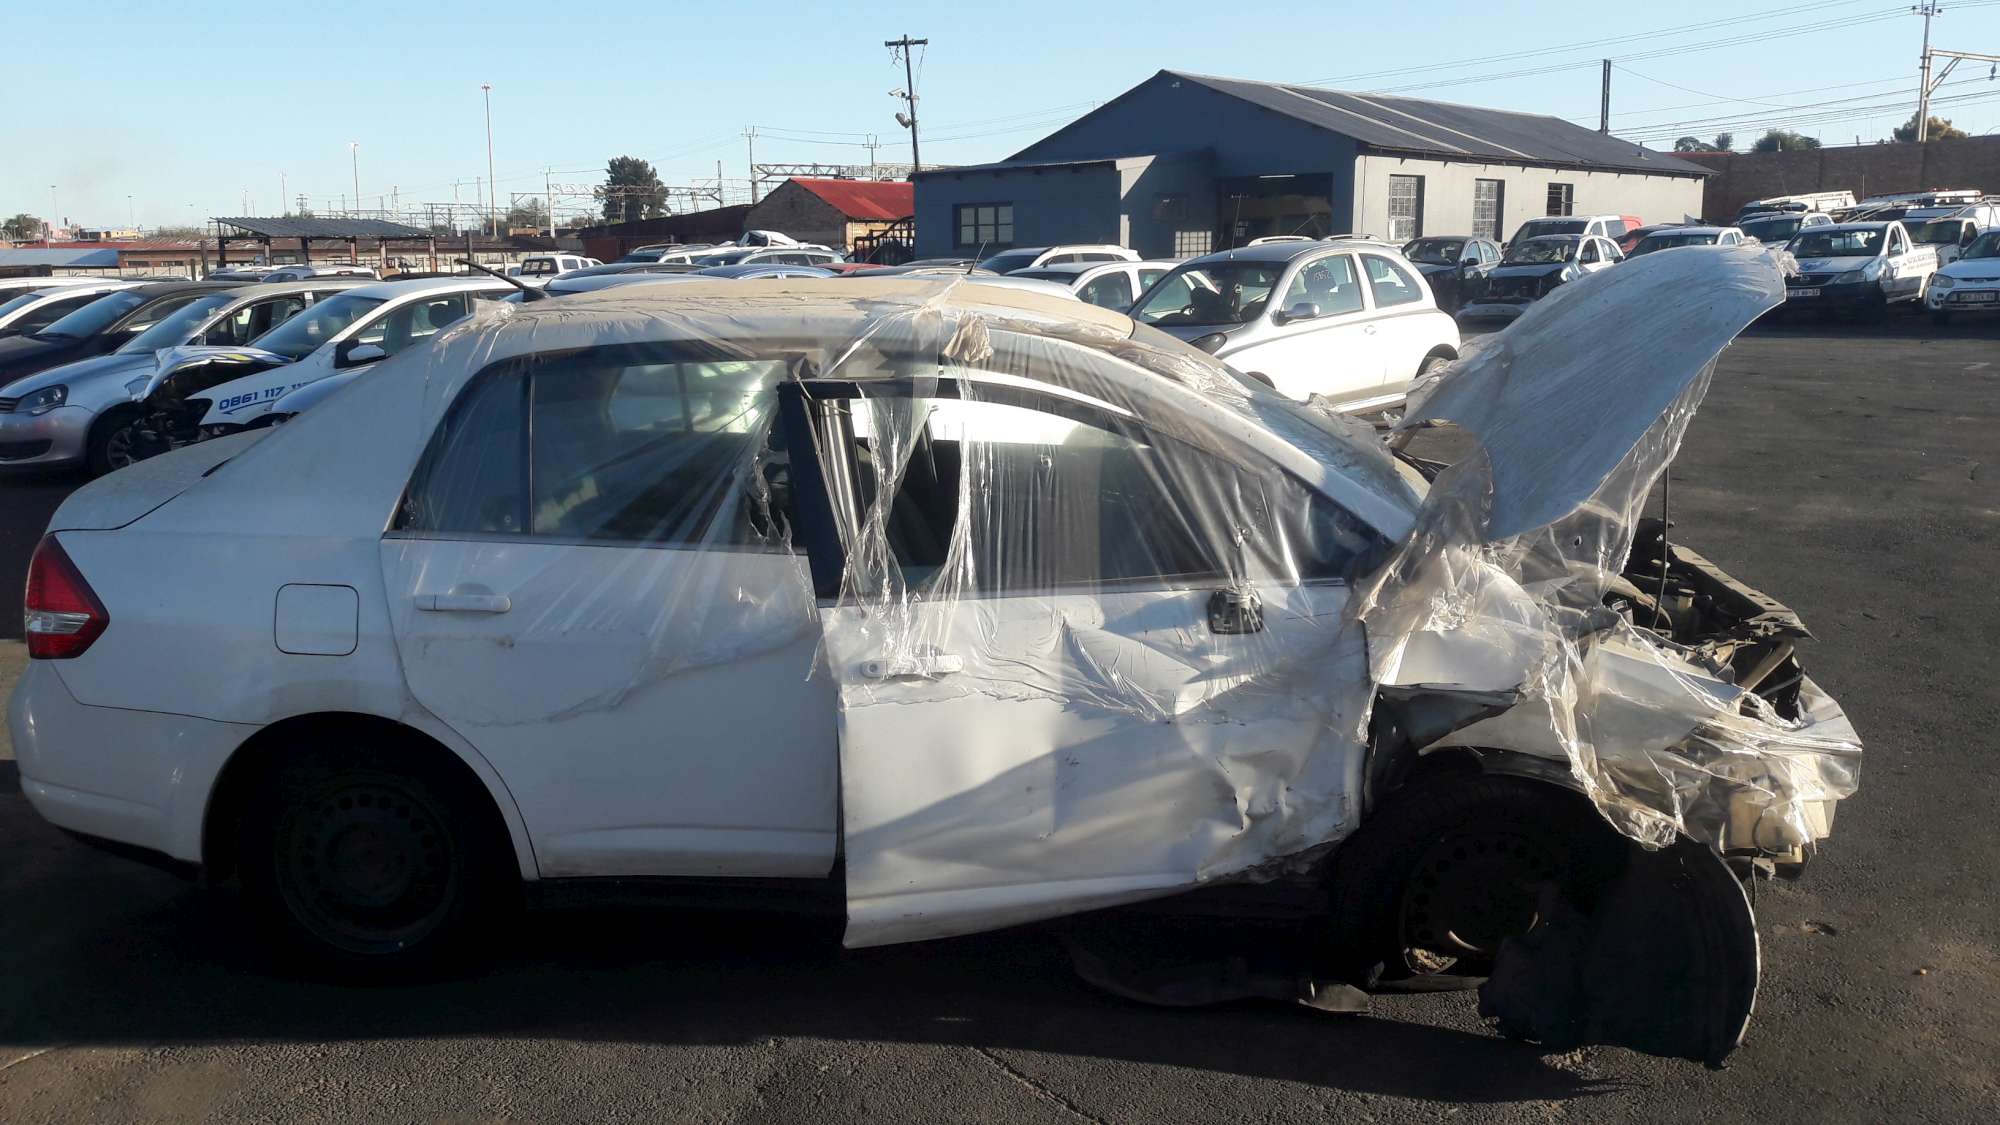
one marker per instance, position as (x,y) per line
(1693,144)
(632,190)
(1784,140)
(528,213)
(1938,129)
(22,227)
(1725,142)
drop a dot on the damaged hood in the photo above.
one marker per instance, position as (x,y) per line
(1551,376)
(168,362)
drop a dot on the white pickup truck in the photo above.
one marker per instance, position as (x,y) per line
(1858,268)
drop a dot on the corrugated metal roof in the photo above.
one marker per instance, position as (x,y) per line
(1442,129)
(61,258)
(267,227)
(865,199)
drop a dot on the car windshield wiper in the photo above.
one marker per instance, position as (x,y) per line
(45,334)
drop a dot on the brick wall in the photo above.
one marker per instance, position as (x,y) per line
(1864,170)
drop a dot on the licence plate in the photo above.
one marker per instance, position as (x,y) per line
(1801,292)
(1971,298)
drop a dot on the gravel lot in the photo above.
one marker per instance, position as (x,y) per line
(1855,476)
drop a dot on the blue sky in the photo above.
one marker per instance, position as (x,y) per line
(188,107)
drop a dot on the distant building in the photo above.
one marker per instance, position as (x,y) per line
(126,259)
(837,213)
(1186,163)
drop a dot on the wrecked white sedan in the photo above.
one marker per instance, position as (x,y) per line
(997,608)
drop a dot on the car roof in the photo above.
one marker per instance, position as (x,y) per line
(1882,224)
(1559,238)
(762,269)
(1678,230)
(1278,251)
(390,290)
(307,285)
(168,288)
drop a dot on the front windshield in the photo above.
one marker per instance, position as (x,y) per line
(1539,251)
(178,327)
(1654,242)
(1985,246)
(1772,230)
(1435,251)
(1938,232)
(95,317)
(1825,243)
(1008,261)
(302,335)
(1218,293)
(1535,228)
(20,302)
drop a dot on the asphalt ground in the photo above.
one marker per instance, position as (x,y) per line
(1854,474)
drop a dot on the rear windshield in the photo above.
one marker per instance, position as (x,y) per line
(1010,260)
(1772,230)
(1939,232)
(1535,228)
(1654,242)
(1435,251)
(175,329)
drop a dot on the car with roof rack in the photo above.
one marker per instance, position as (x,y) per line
(1033,257)
(1858,268)
(1350,322)
(1776,228)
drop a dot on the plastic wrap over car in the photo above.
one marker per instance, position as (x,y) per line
(1525,554)
(1098,621)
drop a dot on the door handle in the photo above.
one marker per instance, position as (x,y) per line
(1235,609)
(465,599)
(1369,329)
(928,667)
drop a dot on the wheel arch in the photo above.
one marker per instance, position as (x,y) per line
(258,754)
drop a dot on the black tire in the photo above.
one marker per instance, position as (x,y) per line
(1940,317)
(103,452)
(366,862)
(1451,864)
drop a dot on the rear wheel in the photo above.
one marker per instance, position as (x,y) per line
(1451,866)
(368,863)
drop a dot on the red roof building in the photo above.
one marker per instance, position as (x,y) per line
(836,213)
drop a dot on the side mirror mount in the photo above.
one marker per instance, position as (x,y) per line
(353,354)
(1303,310)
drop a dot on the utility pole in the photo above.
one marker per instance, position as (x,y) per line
(750,139)
(354,154)
(284,195)
(486,88)
(1604,104)
(549,199)
(55,214)
(908,93)
(1927,9)
(873,143)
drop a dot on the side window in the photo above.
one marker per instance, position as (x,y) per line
(1148,276)
(625,447)
(1391,283)
(1112,290)
(473,478)
(252,321)
(1061,258)
(1489,253)
(1067,499)
(1328,282)
(413,323)
(1896,242)
(1588,254)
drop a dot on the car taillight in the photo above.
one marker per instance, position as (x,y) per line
(61,614)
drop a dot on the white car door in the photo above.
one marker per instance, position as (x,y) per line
(1336,352)
(1407,322)
(1049,700)
(582,586)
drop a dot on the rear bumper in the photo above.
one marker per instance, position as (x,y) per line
(137,778)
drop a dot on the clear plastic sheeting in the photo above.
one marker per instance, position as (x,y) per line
(1020,609)
(1524,560)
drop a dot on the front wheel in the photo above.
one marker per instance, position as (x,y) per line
(366,864)
(119,438)
(1940,317)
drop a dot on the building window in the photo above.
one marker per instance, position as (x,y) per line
(1486,209)
(1188,242)
(985,224)
(1562,197)
(1406,208)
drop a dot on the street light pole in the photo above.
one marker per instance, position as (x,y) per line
(486,88)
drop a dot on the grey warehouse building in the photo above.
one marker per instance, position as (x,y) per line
(1187,163)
